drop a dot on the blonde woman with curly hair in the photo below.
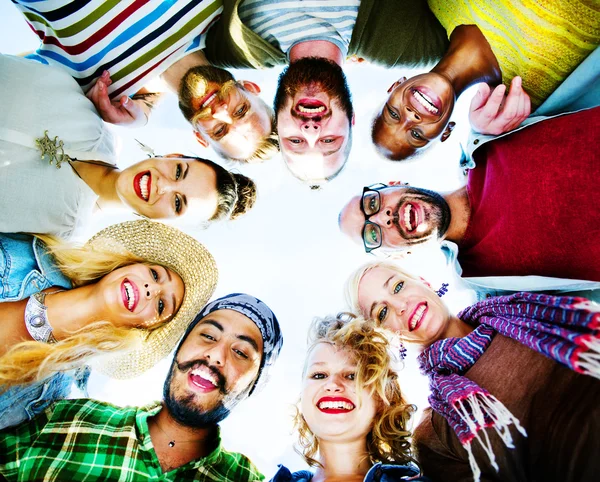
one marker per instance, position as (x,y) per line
(352,418)
(124,298)
(513,379)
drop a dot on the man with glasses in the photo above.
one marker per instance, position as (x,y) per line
(521,212)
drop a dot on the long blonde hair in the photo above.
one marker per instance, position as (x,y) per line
(31,360)
(389,439)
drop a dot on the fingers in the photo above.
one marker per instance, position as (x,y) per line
(107,111)
(490,110)
(134,111)
(483,92)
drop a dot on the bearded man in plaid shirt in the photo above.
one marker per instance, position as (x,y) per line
(224,354)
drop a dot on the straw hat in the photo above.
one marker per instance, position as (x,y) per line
(160,244)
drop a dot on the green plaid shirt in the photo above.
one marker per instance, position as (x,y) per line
(75,440)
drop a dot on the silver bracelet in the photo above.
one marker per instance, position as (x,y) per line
(36,319)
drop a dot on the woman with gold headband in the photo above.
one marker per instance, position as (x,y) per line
(352,418)
(122,301)
(57,163)
(513,379)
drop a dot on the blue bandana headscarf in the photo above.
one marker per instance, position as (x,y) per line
(260,314)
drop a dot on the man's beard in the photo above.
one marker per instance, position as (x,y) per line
(324,74)
(194,86)
(437,218)
(185,409)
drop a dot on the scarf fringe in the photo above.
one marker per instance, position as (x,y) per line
(473,410)
(589,361)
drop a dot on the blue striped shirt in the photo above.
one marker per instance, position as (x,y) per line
(286,23)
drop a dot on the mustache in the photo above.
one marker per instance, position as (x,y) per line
(194,364)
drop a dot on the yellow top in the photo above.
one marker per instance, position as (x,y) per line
(540,40)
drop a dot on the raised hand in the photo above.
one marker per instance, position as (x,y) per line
(123,112)
(492,113)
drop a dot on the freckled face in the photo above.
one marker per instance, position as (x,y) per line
(329,402)
(167,187)
(404,305)
(141,295)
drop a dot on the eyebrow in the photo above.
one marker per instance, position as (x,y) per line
(248,340)
(187,168)
(385,285)
(245,338)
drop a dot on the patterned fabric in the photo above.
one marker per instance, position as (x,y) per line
(565,329)
(284,24)
(93,441)
(542,41)
(260,314)
(134,40)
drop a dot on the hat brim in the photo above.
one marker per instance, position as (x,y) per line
(165,245)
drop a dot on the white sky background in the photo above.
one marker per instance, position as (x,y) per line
(287,250)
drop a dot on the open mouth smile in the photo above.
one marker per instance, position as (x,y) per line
(412,218)
(208,99)
(334,405)
(141,185)
(129,294)
(417,316)
(311,108)
(202,379)
(426,101)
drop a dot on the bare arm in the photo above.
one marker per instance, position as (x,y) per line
(12,328)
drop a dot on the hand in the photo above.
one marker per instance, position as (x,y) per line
(124,112)
(491,113)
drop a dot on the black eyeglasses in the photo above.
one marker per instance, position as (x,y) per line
(370,204)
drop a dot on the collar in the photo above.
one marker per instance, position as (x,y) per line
(143,432)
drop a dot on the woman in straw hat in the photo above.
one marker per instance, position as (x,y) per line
(128,294)
(525,365)
(57,163)
(352,417)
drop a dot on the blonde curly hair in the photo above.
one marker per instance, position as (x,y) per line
(389,439)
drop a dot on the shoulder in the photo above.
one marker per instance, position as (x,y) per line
(26,267)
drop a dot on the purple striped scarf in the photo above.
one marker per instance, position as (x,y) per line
(565,329)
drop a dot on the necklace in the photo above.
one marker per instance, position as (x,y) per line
(172,441)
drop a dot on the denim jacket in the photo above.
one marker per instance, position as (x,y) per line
(378,473)
(25,268)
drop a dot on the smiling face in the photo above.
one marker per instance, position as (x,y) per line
(226,115)
(415,114)
(314,119)
(404,305)
(214,369)
(141,295)
(406,216)
(169,187)
(329,402)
